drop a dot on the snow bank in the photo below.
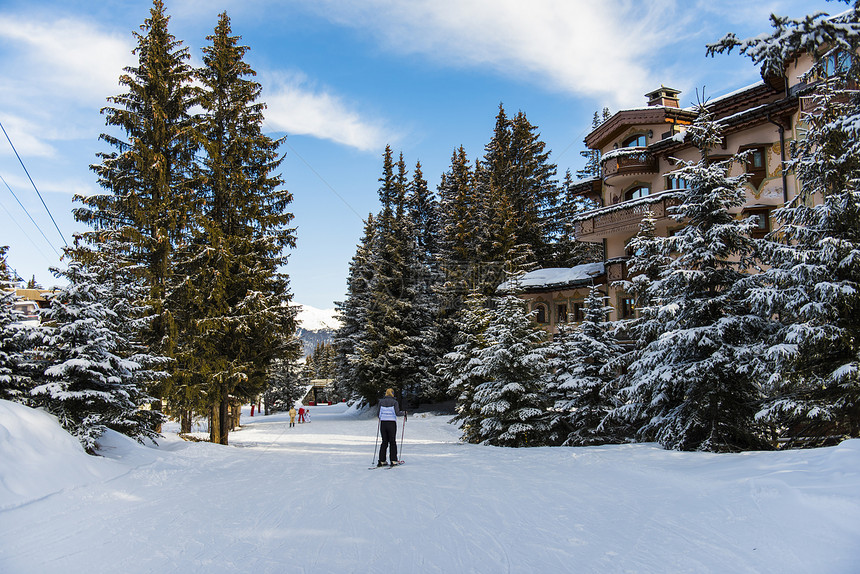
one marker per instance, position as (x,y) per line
(39,458)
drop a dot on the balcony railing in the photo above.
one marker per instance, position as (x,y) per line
(619,218)
(627,161)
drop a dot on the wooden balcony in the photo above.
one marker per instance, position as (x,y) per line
(627,162)
(619,219)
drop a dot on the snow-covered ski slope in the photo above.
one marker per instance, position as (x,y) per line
(301,500)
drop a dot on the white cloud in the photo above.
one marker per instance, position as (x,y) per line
(55,73)
(297,108)
(21,133)
(577,46)
(66,56)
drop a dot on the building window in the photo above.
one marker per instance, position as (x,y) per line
(636,192)
(756,165)
(541,315)
(762,216)
(675,182)
(561,313)
(578,312)
(837,63)
(626,307)
(635,141)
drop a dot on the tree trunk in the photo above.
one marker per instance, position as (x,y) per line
(157,405)
(223,420)
(214,425)
(185,421)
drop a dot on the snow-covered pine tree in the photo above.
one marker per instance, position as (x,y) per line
(389,352)
(13,381)
(580,382)
(458,369)
(285,386)
(352,312)
(813,283)
(104,253)
(422,210)
(512,403)
(85,383)
(648,261)
(695,384)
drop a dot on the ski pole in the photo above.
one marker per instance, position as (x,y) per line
(376,444)
(402,434)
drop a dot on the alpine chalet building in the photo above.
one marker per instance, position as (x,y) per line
(639,149)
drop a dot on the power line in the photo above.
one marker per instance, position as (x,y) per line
(27,235)
(34,185)
(30,216)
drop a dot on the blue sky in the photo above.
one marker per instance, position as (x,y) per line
(344,78)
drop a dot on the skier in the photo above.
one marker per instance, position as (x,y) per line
(292,416)
(301,414)
(389,410)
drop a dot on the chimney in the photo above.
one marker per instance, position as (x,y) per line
(667,97)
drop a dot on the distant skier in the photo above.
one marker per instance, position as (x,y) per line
(301,414)
(389,410)
(292,416)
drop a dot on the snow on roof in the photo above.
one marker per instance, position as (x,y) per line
(555,277)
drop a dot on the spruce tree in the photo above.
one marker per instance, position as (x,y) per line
(389,355)
(235,301)
(580,384)
(459,369)
(516,180)
(512,403)
(85,381)
(148,176)
(13,340)
(353,313)
(695,385)
(812,285)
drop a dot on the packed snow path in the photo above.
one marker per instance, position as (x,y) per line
(283,500)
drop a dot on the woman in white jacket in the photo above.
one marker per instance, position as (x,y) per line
(389,410)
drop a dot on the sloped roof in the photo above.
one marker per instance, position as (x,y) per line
(555,278)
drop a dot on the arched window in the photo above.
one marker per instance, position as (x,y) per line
(635,141)
(636,192)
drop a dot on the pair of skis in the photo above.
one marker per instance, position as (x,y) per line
(388,466)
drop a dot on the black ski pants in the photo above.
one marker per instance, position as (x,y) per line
(388,432)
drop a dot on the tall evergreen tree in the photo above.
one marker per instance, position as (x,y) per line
(517,180)
(353,312)
(812,284)
(695,385)
(236,298)
(148,175)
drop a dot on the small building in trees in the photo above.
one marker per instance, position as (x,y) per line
(557,296)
